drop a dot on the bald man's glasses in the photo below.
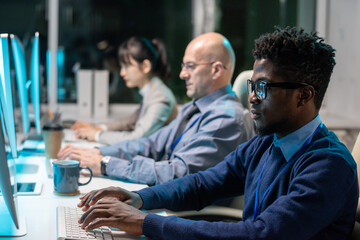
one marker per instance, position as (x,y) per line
(190,66)
(260,87)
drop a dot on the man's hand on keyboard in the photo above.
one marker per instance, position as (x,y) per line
(118,193)
(90,157)
(113,213)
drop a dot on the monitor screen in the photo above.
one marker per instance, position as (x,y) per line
(21,79)
(5,181)
(6,94)
(11,223)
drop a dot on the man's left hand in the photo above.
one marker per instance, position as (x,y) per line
(90,157)
(113,213)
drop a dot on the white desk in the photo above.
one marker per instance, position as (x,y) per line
(40,211)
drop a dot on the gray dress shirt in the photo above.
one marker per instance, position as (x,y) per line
(221,125)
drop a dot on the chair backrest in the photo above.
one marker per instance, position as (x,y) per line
(356,155)
(240,87)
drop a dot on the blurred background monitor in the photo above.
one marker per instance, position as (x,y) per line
(35,82)
(21,79)
(23,85)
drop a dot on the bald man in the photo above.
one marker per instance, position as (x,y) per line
(204,132)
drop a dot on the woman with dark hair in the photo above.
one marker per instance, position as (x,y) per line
(143,65)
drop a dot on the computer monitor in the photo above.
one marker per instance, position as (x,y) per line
(21,79)
(12,224)
(23,84)
(35,82)
(6,97)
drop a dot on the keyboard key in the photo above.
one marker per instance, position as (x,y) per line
(69,228)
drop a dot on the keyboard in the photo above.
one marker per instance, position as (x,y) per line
(69,228)
(70,135)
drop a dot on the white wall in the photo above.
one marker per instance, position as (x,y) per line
(339,22)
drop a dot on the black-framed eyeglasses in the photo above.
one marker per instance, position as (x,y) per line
(190,66)
(260,87)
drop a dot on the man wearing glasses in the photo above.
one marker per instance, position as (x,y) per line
(298,179)
(204,132)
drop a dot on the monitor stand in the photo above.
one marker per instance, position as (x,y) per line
(7,226)
(29,188)
(35,136)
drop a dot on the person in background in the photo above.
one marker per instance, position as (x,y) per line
(118,92)
(143,65)
(299,181)
(204,132)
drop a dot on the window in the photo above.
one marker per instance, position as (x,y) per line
(90,29)
(90,32)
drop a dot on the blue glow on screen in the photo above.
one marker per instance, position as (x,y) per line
(35,82)
(6,93)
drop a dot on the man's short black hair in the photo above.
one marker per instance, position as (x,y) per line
(298,57)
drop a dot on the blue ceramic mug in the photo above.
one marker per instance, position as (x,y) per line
(66,177)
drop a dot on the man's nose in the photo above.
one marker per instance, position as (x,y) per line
(183,74)
(252,98)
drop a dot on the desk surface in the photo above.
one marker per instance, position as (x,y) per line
(40,210)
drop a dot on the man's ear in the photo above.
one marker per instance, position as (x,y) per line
(146,66)
(306,94)
(217,69)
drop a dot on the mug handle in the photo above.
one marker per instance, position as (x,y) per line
(91,175)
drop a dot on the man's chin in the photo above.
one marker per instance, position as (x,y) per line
(263,131)
(190,95)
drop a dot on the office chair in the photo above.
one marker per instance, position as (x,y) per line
(211,213)
(356,154)
(240,87)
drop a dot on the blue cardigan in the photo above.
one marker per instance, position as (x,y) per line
(314,197)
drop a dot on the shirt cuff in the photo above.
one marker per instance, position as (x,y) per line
(97,136)
(117,168)
(103,127)
(109,151)
(146,195)
(153,225)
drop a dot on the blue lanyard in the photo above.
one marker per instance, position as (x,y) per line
(173,145)
(295,156)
